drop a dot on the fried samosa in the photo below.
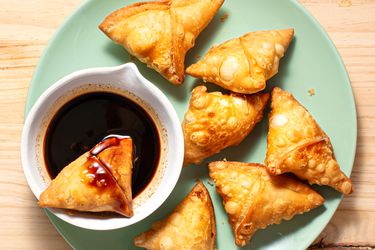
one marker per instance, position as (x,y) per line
(116,153)
(160,33)
(244,64)
(190,226)
(297,144)
(98,181)
(254,199)
(216,121)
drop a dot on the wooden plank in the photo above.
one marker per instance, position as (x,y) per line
(25,29)
(352,29)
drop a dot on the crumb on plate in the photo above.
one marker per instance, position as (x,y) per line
(311,91)
(224,17)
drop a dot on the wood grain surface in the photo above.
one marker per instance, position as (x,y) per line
(27,25)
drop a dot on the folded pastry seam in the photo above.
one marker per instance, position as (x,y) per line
(254,199)
(191,225)
(244,64)
(298,145)
(97,181)
(215,121)
(160,33)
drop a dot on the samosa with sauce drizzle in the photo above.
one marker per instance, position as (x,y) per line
(98,181)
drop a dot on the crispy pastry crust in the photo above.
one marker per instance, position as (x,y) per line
(190,226)
(119,160)
(244,64)
(160,33)
(79,188)
(297,144)
(254,199)
(215,121)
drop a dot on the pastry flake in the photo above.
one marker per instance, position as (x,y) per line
(215,121)
(190,226)
(244,64)
(297,144)
(254,199)
(97,181)
(160,33)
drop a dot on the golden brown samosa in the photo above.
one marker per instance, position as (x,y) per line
(215,121)
(98,181)
(254,199)
(159,33)
(297,144)
(117,155)
(244,64)
(190,226)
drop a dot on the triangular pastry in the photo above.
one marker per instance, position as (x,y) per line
(297,144)
(98,181)
(160,33)
(190,226)
(117,155)
(254,199)
(244,64)
(215,121)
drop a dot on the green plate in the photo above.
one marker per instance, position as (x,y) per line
(311,62)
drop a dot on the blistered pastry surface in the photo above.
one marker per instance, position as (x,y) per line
(160,33)
(297,144)
(215,121)
(244,64)
(254,199)
(190,226)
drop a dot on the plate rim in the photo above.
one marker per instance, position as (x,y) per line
(81,6)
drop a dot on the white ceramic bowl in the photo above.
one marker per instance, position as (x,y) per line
(125,80)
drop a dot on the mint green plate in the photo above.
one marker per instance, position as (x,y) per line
(311,62)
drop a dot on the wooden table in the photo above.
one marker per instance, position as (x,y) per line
(27,25)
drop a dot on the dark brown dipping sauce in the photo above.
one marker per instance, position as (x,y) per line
(86,120)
